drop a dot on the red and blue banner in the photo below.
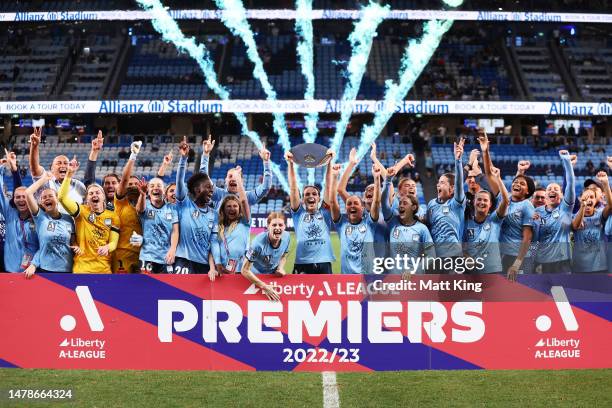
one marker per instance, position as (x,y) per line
(322,323)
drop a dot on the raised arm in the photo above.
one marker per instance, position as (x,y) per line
(35,168)
(127,169)
(386,206)
(407,160)
(142,196)
(375,209)
(64,192)
(569,195)
(459,193)
(242,196)
(165,165)
(334,205)
(579,217)
(602,177)
(30,199)
(521,167)
(266,184)
(90,169)
(483,140)
(10,159)
(502,208)
(346,175)
(207,147)
(294,194)
(328,177)
(181,188)
(174,238)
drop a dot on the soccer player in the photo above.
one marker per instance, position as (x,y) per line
(482,229)
(539,197)
(588,226)
(314,254)
(56,232)
(126,259)
(11,160)
(356,228)
(160,228)
(233,233)
(517,227)
(231,183)
(170,193)
(21,241)
(407,235)
(97,229)
(446,212)
(197,219)
(59,168)
(268,254)
(555,221)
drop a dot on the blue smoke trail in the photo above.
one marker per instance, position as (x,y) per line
(416,56)
(305,50)
(234,18)
(361,43)
(170,31)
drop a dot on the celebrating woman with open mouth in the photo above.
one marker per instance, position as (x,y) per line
(97,229)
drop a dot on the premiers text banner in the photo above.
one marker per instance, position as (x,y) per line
(322,323)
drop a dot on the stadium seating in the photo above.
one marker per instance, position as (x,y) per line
(590,62)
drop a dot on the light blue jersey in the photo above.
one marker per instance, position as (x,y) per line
(421,212)
(608,231)
(21,241)
(446,218)
(198,226)
(482,241)
(413,240)
(54,236)
(253,196)
(590,245)
(520,214)
(312,233)
(556,223)
(229,250)
(264,257)
(553,234)
(157,226)
(356,244)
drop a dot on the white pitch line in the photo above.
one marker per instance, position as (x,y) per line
(331,398)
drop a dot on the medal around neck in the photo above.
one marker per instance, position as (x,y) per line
(310,155)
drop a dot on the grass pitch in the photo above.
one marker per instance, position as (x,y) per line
(566,388)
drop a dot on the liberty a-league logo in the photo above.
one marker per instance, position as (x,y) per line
(150,214)
(51,226)
(91,218)
(266,259)
(195,214)
(470,233)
